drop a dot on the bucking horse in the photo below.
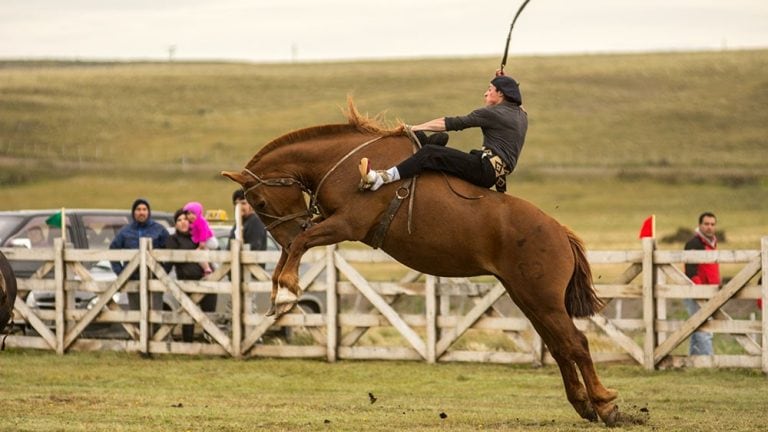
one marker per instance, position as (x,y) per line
(437,230)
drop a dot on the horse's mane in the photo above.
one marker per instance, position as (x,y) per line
(356,122)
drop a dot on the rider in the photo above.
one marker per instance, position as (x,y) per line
(504,123)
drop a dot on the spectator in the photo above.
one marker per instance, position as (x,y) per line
(182,239)
(702,274)
(37,237)
(201,232)
(128,238)
(254,233)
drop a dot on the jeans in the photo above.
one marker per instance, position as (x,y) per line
(701,342)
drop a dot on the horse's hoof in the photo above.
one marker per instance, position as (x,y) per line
(285,296)
(611,417)
(589,414)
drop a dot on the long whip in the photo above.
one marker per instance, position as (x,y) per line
(509,36)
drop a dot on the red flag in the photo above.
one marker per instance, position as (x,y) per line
(649,227)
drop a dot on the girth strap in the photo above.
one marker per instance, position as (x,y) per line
(403,192)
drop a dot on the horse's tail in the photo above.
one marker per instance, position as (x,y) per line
(580,297)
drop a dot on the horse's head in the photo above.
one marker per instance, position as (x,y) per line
(277,200)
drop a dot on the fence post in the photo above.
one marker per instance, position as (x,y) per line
(331,304)
(764,256)
(430,292)
(143,296)
(235,276)
(649,302)
(60,278)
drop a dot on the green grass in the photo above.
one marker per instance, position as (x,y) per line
(122,392)
(612,138)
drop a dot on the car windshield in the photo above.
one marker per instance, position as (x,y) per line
(36,232)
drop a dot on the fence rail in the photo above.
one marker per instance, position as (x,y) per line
(414,317)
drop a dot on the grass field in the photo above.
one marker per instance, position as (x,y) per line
(612,138)
(122,392)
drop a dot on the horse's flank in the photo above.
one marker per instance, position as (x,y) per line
(356,122)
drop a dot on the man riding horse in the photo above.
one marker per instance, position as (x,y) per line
(504,123)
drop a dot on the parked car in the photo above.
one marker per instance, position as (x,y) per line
(86,229)
(95,229)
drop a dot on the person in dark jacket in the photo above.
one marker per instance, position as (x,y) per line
(504,124)
(128,238)
(254,233)
(182,239)
(702,274)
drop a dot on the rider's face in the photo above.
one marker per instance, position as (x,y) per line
(493,96)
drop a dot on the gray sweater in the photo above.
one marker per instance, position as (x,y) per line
(503,125)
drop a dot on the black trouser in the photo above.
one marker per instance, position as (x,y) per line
(471,167)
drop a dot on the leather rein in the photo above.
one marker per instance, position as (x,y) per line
(313,209)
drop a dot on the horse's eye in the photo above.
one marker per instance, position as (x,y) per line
(259,204)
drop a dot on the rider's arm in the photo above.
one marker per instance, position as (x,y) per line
(436,125)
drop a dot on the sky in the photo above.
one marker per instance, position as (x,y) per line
(329,30)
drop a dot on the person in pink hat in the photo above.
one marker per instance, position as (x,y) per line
(201,232)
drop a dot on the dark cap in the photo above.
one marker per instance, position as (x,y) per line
(136,204)
(509,88)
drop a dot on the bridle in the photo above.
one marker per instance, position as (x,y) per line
(279,181)
(313,209)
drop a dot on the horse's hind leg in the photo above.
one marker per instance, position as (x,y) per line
(570,349)
(575,392)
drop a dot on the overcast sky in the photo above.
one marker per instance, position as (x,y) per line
(284,30)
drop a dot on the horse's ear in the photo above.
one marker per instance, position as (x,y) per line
(235,177)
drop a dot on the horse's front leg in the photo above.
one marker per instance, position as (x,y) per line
(275,276)
(328,232)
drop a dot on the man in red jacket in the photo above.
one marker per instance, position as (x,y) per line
(702,274)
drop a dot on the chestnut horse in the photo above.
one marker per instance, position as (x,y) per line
(540,262)
(7,291)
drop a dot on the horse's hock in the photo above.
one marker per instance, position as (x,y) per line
(430,319)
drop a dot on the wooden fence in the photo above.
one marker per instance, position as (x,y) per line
(412,316)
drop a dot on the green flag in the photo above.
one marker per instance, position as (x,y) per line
(54,220)
(58,220)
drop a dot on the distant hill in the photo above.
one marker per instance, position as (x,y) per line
(657,112)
